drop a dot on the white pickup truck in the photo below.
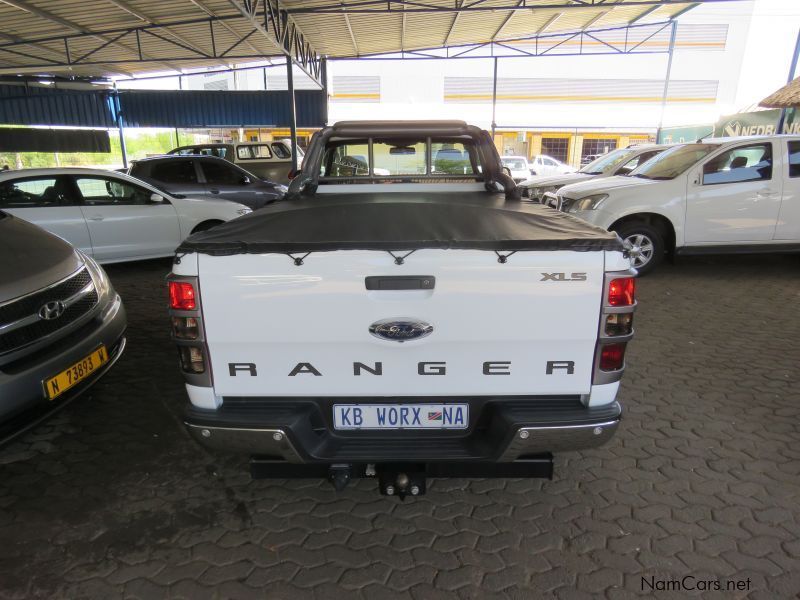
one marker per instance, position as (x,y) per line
(718,196)
(402,317)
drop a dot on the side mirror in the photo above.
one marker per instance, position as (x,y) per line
(156,198)
(246,180)
(507,171)
(294,173)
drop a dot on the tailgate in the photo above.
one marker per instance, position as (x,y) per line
(277,329)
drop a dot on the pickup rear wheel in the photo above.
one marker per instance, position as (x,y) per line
(645,244)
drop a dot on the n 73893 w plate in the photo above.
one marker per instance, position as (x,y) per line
(75,373)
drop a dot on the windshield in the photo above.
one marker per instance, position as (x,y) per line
(674,161)
(515,164)
(608,161)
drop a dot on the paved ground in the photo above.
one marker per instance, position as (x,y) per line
(112,499)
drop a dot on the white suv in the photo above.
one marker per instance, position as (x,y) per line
(716,196)
(518,166)
(547,165)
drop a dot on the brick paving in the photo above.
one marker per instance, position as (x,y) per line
(111,498)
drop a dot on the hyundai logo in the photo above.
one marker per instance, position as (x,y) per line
(400,330)
(52,310)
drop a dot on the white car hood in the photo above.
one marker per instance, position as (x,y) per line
(604,184)
(555,180)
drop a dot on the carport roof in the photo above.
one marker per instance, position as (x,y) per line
(127,37)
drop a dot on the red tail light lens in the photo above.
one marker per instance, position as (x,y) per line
(622,292)
(181,295)
(612,357)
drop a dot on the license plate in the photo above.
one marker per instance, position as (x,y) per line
(74,374)
(401,416)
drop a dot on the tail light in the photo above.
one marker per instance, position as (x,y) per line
(192,359)
(182,296)
(612,357)
(619,324)
(616,327)
(622,291)
(188,332)
(185,328)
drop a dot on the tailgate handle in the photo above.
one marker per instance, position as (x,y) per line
(402,282)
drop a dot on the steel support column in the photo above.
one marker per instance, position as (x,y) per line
(792,70)
(293,106)
(667,77)
(121,127)
(324,77)
(494,97)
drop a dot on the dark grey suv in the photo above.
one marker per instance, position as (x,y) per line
(62,325)
(206,176)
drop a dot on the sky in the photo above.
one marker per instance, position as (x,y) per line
(774,26)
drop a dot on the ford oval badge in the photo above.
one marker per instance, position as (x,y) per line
(400,330)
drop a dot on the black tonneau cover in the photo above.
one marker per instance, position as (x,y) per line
(400,221)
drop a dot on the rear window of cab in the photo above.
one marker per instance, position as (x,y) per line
(390,158)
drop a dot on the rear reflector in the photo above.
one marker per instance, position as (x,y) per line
(622,291)
(181,295)
(612,357)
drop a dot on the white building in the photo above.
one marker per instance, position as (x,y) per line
(569,106)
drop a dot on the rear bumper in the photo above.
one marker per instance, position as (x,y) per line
(503,430)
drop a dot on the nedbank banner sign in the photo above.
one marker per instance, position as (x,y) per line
(761,122)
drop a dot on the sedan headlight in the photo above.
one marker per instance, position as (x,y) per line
(592,202)
(539,192)
(244,211)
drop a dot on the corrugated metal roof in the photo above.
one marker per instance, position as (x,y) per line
(114,37)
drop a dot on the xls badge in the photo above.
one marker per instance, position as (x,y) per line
(400,330)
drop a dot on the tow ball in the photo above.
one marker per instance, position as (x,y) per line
(401,483)
(392,481)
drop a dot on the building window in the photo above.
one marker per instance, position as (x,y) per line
(557,148)
(596,147)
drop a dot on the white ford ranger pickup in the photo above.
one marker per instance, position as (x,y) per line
(401,315)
